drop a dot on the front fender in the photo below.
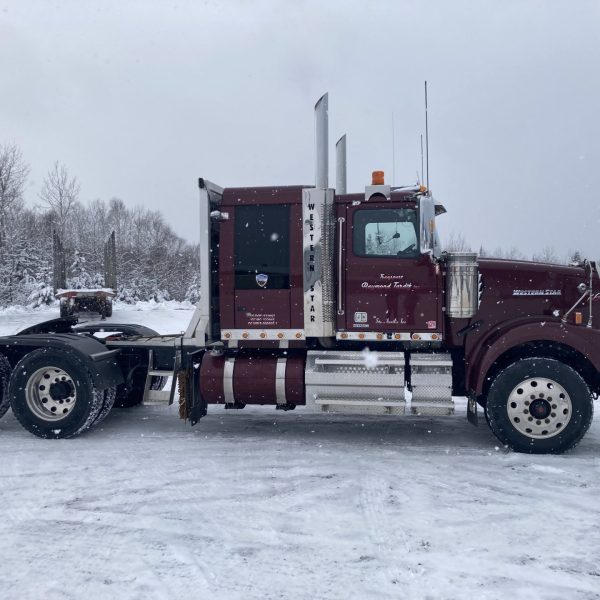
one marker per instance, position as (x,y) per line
(584,340)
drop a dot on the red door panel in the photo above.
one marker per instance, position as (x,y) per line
(389,285)
(262,309)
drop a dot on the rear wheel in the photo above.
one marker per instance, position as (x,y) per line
(109,400)
(5,370)
(108,307)
(104,307)
(539,405)
(66,310)
(52,394)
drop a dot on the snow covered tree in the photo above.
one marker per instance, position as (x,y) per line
(98,280)
(60,193)
(547,255)
(457,242)
(192,294)
(575,258)
(153,263)
(80,279)
(13,175)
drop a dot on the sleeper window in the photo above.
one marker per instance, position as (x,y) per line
(262,247)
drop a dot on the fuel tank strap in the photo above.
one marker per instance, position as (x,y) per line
(280,394)
(228,394)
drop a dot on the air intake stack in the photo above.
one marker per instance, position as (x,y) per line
(340,165)
(322,139)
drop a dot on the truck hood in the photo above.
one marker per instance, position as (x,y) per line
(521,269)
(514,288)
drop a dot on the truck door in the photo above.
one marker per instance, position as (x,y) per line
(389,286)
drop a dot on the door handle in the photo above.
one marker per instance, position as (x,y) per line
(340,307)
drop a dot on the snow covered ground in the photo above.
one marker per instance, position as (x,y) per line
(259,504)
(164,317)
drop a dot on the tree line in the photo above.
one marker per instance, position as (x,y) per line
(456,242)
(152,261)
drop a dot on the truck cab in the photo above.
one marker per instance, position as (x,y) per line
(386,273)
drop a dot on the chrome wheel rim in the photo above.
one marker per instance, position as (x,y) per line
(539,408)
(51,394)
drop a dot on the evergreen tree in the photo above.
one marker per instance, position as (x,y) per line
(80,279)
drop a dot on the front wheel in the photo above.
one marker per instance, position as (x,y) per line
(539,405)
(52,394)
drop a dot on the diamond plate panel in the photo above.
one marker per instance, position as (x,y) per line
(355,382)
(431,381)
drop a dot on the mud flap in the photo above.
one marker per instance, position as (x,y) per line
(192,406)
(472,412)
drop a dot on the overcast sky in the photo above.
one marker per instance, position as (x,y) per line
(139,99)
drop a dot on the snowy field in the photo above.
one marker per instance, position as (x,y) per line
(259,504)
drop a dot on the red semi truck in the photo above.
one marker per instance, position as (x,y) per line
(340,302)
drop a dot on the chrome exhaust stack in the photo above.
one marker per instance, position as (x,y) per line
(340,165)
(322,141)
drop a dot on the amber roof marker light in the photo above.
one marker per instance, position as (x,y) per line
(378,178)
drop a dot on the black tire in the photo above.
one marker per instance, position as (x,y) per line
(37,401)
(136,393)
(104,307)
(5,371)
(539,405)
(66,310)
(109,400)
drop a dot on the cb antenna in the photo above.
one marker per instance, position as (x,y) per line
(393,151)
(426,139)
(422,158)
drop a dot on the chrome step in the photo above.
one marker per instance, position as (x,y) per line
(160,397)
(378,407)
(355,382)
(347,361)
(432,409)
(160,373)
(431,382)
(156,397)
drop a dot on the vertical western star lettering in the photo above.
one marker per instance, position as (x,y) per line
(314,202)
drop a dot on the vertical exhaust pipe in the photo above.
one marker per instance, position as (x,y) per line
(340,165)
(322,140)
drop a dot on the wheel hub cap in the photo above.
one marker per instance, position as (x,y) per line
(51,394)
(539,407)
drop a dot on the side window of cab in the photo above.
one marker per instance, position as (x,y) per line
(385,232)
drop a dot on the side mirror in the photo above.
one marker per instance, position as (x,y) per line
(427,225)
(430,241)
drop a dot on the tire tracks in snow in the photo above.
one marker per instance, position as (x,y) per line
(386,532)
